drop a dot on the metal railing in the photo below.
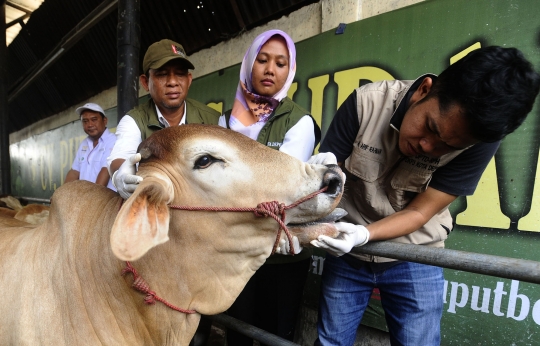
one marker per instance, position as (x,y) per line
(250,331)
(503,267)
(35,200)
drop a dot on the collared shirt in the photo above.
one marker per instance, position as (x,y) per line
(128,136)
(90,160)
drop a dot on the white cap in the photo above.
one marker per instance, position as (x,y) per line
(90,106)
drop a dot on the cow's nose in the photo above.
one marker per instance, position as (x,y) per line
(332,179)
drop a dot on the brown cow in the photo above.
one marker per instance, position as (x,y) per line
(61,282)
(7,219)
(34,214)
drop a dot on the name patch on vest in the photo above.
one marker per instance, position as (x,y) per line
(274,144)
(423,162)
(369,148)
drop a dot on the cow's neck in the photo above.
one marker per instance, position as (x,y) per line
(208,275)
(160,272)
(96,286)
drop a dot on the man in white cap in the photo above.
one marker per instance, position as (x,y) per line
(91,160)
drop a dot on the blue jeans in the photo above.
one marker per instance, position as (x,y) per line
(411,296)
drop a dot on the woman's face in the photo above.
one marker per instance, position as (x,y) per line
(271,67)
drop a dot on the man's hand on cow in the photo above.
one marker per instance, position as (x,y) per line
(350,235)
(284,248)
(323,159)
(124,179)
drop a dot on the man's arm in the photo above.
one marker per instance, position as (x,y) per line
(115,164)
(415,215)
(343,129)
(419,211)
(103,177)
(128,138)
(71,176)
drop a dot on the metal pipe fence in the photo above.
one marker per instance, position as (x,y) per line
(503,267)
(35,200)
(250,331)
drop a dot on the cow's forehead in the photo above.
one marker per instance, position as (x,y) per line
(201,145)
(216,133)
(194,139)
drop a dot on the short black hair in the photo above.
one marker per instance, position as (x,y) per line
(495,87)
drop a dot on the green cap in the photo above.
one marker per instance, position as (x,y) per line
(160,53)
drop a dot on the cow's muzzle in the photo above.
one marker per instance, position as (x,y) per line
(333,180)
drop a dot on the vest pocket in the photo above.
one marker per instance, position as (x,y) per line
(410,179)
(363,167)
(406,183)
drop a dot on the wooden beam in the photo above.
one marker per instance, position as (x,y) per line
(19,20)
(237,14)
(18,7)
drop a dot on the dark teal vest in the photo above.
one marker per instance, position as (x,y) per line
(146,118)
(285,116)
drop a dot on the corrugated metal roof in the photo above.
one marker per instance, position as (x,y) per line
(17,14)
(89,67)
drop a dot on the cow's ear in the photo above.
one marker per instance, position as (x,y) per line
(143,220)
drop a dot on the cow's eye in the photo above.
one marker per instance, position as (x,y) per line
(204,162)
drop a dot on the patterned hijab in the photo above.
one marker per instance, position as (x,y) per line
(246,100)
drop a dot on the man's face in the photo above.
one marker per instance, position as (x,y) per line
(168,86)
(93,123)
(428,131)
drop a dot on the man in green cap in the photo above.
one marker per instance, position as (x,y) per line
(167,78)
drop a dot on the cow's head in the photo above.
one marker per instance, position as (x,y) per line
(208,166)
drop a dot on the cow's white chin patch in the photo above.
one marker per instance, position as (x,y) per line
(306,232)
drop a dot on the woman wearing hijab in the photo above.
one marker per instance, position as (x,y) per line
(263,112)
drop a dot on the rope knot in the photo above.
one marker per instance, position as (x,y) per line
(140,285)
(268,208)
(150,298)
(129,269)
(273,209)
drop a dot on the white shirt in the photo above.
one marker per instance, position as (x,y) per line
(299,141)
(89,160)
(128,136)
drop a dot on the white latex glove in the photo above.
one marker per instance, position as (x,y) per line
(350,235)
(124,179)
(323,159)
(283,247)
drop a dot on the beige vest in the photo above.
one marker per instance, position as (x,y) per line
(382,181)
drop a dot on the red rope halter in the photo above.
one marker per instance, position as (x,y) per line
(140,285)
(273,209)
